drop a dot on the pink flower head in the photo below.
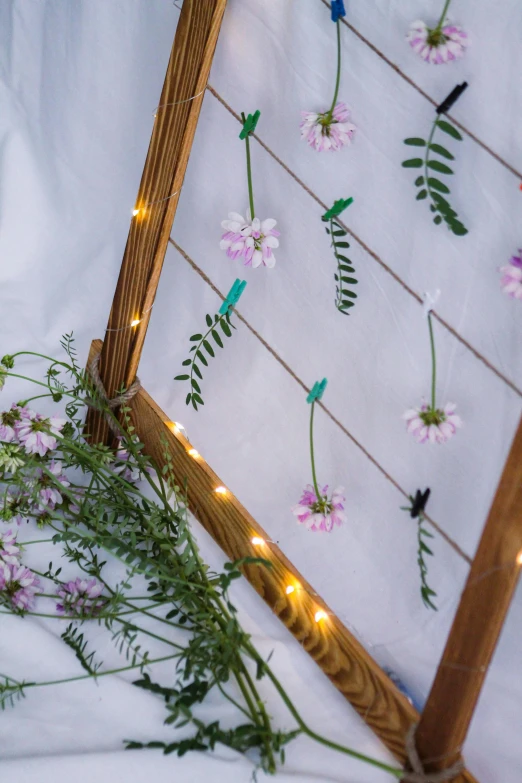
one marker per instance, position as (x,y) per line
(324,132)
(49,495)
(432,425)
(437,46)
(80,597)
(9,551)
(320,514)
(252,240)
(10,421)
(511,281)
(18,585)
(36,433)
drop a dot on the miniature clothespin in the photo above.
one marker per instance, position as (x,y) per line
(317,391)
(338,207)
(233,295)
(454,95)
(429,301)
(249,124)
(337,9)
(418,503)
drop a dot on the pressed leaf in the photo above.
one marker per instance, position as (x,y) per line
(189,397)
(181,378)
(186,362)
(198,398)
(197,371)
(412,163)
(349,293)
(208,348)
(341,244)
(436,184)
(438,166)
(419,181)
(440,150)
(217,338)
(208,319)
(437,220)
(226,329)
(194,404)
(196,338)
(458,228)
(422,194)
(449,129)
(202,358)
(339,233)
(343,258)
(415,142)
(351,280)
(345,268)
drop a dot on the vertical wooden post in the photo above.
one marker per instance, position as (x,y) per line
(478,622)
(167,158)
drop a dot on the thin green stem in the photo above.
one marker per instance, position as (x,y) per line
(426,159)
(249,172)
(312,457)
(338,77)
(443,15)
(433,364)
(198,349)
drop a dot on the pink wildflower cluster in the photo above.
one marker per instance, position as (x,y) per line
(320,513)
(18,585)
(438,45)
(80,597)
(252,240)
(511,281)
(327,132)
(432,425)
(35,433)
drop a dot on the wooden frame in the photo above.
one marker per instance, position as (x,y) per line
(495,570)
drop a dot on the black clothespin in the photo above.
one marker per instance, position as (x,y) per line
(454,95)
(418,503)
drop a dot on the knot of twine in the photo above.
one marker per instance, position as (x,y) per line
(115,402)
(418,775)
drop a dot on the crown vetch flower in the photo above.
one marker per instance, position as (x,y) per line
(250,239)
(432,425)
(9,422)
(49,495)
(9,550)
(10,457)
(320,513)
(330,130)
(437,45)
(18,585)
(80,597)
(511,281)
(36,433)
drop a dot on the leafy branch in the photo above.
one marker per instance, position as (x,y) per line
(75,641)
(430,186)
(11,691)
(343,295)
(201,351)
(416,509)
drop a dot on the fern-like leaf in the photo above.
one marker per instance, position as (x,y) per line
(74,639)
(344,296)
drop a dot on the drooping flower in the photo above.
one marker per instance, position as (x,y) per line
(9,550)
(323,513)
(37,434)
(10,457)
(432,425)
(252,240)
(330,130)
(80,597)
(511,281)
(9,421)
(437,45)
(49,495)
(18,585)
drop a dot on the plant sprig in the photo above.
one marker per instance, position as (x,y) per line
(430,186)
(416,510)
(74,639)
(343,295)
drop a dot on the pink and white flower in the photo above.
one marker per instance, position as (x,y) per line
(252,240)
(437,45)
(432,425)
(18,585)
(9,550)
(325,132)
(36,433)
(320,514)
(49,496)
(511,281)
(80,597)
(9,421)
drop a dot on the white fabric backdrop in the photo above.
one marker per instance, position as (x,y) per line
(78,85)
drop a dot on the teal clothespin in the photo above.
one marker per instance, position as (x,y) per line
(338,207)
(233,296)
(317,391)
(249,125)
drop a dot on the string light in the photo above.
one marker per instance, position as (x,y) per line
(221,490)
(290,589)
(519,558)
(258,541)
(135,322)
(194,453)
(136,212)
(320,615)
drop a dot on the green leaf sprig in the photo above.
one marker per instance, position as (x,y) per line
(416,509)
(430,186)
(343,295)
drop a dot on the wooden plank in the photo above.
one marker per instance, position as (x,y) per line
(170,144)
(478,622)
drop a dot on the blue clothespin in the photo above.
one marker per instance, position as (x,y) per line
(337,10)
(317,391)
(249,124)
(233,296)
(402,688)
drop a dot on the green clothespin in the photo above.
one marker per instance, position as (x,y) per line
(317,391)
(338,207)
(249,125)
(233,296)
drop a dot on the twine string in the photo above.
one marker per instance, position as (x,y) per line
(418,773)
(115,402)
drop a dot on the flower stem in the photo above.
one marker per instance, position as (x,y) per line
(443,15)
(312,458)
(249,172)
(433,363)
(338,78)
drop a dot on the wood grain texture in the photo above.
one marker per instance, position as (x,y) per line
(165,166)
(478,622)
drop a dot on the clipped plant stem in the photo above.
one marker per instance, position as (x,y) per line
(443,15)
(433,363)
(312,457)
(249,171)
(338,77)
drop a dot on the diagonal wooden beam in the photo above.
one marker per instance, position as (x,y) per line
(167,158)
(482,610)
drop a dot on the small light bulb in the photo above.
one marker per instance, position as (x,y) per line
(135,322)
(258,541)
(221,490)
(135,212)
(320,615)
(290,589)
(178,425)
(519,558)
(194,453)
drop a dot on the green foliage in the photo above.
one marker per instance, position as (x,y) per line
(201,352)
(344,296)
(423,550)
(432,187)
(11,691)
(74,639)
